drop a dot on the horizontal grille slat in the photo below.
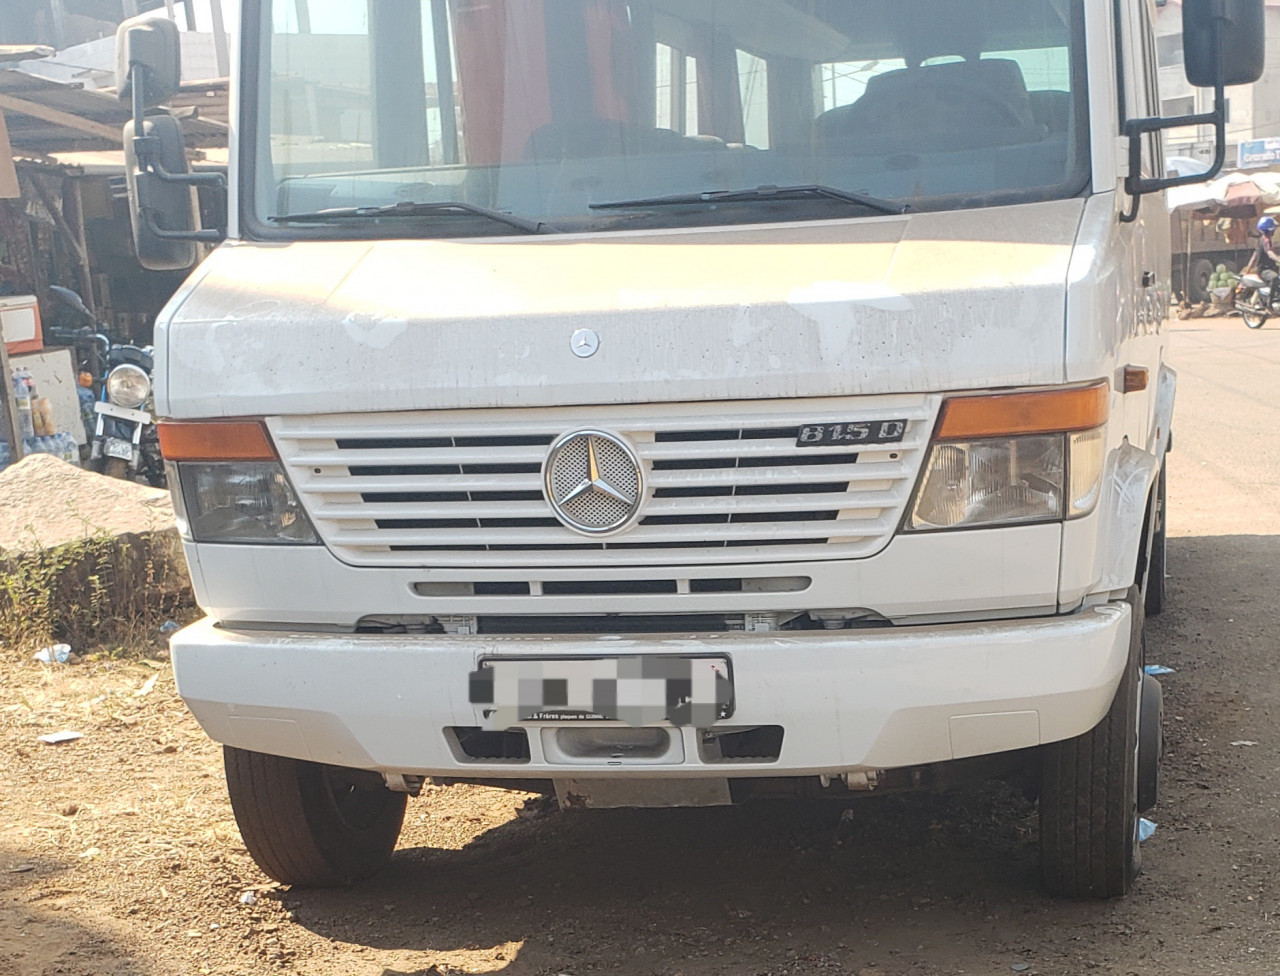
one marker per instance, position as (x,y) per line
(721,483)
(746,532)
(409,457)
(760,504)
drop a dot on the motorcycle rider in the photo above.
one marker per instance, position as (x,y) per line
(1265,260)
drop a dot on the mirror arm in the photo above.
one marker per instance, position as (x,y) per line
(1136,184)
(214,181)
(136,72)
(199,236)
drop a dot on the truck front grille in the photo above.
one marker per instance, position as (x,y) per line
(725,483)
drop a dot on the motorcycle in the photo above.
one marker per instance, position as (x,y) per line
(124,442)
(1254,300)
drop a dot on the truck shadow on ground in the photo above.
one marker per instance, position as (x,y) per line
(38,928)
(676,883)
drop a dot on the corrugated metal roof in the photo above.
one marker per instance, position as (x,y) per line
(46,117)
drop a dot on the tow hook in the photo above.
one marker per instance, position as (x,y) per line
(401,783)
(863,782)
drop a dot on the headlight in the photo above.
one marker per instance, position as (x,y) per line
(245,502)
(1007,481)
(128,386)
(998,460)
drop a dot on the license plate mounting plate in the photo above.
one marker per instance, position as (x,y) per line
(648,690)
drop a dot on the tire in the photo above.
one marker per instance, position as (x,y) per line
(1155,594)
(1202,270)
(1089,794)
(310,825)
(1254,319)
(1150,743)
(116,468)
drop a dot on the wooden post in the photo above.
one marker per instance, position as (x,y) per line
(220,48)
(9,405)
(58,13)
(75,243)
(73,212)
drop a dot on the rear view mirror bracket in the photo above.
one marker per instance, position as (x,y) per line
(149,153)
(1138,185)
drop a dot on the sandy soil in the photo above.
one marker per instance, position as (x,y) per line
(119,855)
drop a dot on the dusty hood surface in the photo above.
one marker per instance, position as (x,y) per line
(920,303)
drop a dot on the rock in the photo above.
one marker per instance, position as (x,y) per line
(48,503)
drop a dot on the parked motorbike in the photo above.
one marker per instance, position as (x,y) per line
(1254,301)
(124,442)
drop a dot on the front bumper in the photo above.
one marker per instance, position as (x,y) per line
(847,700)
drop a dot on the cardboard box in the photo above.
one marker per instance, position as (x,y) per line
(54,371)
(20,324)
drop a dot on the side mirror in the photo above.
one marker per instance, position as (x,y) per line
(162,189)
(1224,41)
(72,301)
(148,61)
(161,202)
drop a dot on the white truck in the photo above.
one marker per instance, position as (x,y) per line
(668,402)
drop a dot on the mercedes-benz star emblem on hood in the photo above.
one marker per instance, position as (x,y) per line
(594,482)
(585,343)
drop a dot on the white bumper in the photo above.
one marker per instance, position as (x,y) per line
(849,700)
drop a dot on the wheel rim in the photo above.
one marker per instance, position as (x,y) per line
(357,808)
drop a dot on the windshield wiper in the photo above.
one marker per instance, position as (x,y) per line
(762,194)
(407,209)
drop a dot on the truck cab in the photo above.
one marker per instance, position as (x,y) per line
(660,403)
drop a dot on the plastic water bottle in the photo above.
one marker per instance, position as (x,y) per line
(22,395)
(69,451)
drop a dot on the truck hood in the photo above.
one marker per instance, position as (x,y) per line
(919,303)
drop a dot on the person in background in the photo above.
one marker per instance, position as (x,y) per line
(1265,260)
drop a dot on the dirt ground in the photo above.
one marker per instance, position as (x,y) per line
(119,855)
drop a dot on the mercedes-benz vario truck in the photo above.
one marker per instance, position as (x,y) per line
(667,402)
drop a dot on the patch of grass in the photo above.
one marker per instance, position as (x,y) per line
(105,594)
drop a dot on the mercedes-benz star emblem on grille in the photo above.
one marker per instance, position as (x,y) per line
(585,343)
(593,482)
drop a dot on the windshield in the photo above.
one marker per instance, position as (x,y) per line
(585,114)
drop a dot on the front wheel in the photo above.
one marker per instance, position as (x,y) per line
(1089,794)
(1253,311)
(116,468)
(311,825)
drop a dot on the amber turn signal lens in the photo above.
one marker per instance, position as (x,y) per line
(216,440)
(1033,412)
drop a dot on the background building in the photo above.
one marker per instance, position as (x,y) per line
(1253,112)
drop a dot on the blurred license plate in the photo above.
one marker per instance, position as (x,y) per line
(694,691)
(117,448)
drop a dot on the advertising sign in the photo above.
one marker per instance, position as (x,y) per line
(1259,153)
